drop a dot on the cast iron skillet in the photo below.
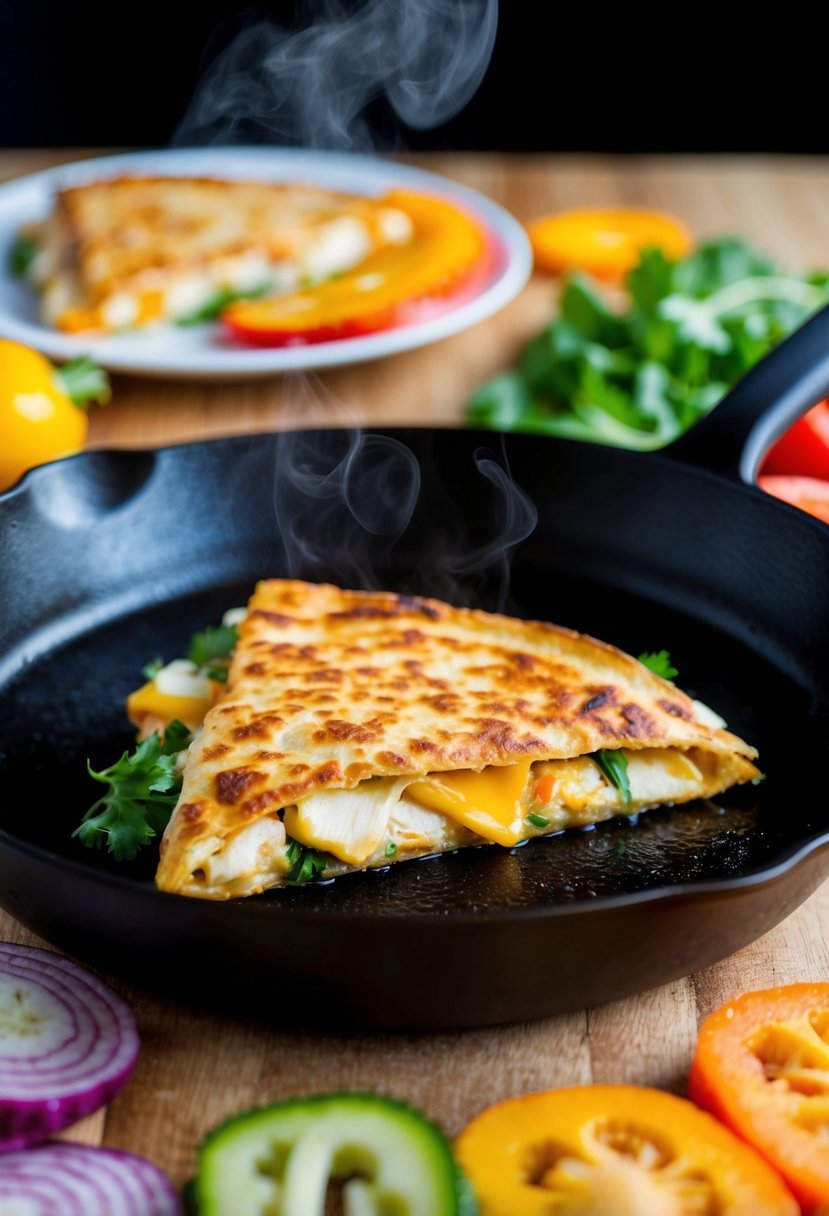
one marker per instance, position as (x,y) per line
(112,558)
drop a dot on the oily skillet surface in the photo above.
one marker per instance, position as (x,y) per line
(113,558)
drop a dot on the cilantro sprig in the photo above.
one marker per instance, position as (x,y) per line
(614,766)
(638,376)
(306,863)
(659,662)
(143,787)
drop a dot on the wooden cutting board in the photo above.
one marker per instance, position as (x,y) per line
(197,1068)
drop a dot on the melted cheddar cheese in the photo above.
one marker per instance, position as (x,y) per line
(439,810)
(490,803)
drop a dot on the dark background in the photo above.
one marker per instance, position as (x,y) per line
(561,78)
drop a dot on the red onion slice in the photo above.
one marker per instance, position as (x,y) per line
(78,1180)
(68,1044)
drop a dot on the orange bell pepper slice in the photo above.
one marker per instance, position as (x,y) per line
(762,1067)
(614,1150)
(605,243)
(448,249)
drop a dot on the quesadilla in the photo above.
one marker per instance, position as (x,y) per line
(359,729)
(130,251)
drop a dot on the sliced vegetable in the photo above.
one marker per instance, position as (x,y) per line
(184,689)
(78,1180)
(614,766)
(539,821)
(543,792)
(280,1161)
(143,789)
(638,375)
(447,259)
(608,1150)
(174,691)
(68,1044)
(41,414)
(605,243)
(762,1067)
(807,493)
(804,449)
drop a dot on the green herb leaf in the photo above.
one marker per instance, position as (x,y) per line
(639,375)
(83,381)
(659,662)
(211,645)
(614,766)
(213,308)
(391,849)
(143,789)
(151,670)
(23,252)
(538,821)
(306,863)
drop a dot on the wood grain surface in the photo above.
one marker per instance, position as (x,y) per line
(196,1068)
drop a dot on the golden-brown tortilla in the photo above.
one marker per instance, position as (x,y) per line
(330,687)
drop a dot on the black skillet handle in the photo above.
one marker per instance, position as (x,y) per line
(735,436)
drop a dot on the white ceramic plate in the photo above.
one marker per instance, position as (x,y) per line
(201,352)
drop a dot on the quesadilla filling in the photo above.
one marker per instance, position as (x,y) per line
(348,730)
(390,818)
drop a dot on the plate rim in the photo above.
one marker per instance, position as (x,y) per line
(320,166)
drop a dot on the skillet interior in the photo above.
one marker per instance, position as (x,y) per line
(627,548)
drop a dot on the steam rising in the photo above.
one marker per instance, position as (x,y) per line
(342,500)
(310,86)
(350,508)
(515,520)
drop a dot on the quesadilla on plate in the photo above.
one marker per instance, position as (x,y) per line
(359,729)
(127,252)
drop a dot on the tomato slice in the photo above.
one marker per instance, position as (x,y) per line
(808,493)
(762,1067)
(804,449)
(447,262)
(614,1150)
(605,243)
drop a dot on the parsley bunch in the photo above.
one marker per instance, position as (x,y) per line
(637,377)
(143,789)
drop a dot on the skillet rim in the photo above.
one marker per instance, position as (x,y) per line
(751,879)
(784,863)
(659,456)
